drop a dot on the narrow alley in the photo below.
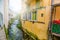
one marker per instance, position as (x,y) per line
(14,32)
(29,19)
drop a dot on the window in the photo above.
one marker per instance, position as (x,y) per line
(24,16)
(42,15)
(34,15)
(29,16)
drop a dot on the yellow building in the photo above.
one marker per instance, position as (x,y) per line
(37,17)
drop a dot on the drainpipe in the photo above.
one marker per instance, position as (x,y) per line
(51,13)
(52,8)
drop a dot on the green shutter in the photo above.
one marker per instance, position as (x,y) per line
(34,16)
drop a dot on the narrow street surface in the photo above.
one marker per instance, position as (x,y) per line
(2,34)
(14,32)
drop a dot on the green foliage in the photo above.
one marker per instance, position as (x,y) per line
(6,32)
(10,22)
(19,25)
(31,35)
(6,29)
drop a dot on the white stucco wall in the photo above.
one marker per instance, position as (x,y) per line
(6,13)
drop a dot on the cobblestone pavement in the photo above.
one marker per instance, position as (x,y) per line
(2,34)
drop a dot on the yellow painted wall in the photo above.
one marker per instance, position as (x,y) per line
(46,18)
(32,5)
(28,25)
(39,13)
(45,3)
(40,29)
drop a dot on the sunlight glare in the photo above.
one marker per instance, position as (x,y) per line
(15,5)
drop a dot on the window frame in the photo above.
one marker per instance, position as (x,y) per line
(29,14)
(25,16)
(32,15)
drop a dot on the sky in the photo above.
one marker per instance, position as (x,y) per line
(15,5)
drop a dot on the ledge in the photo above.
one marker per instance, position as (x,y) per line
(55,5)
(56,34)
(24,20)
(35,21)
